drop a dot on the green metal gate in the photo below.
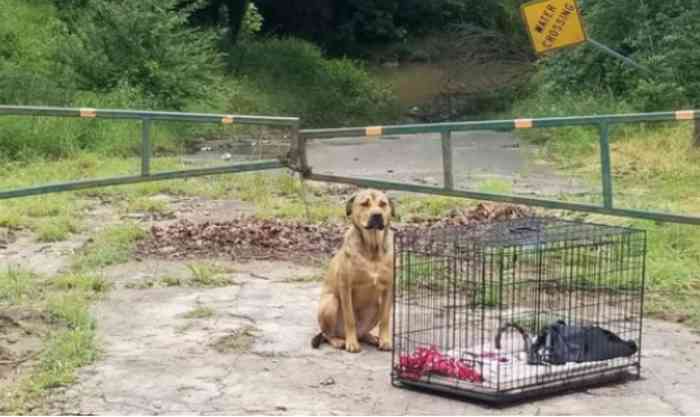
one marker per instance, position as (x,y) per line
(297,159)
(147,118)
(603,123)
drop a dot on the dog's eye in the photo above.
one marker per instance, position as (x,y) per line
(382,204)
(365,203)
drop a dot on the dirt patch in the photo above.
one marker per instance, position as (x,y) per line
(22,332)
(7,237)
(240,341)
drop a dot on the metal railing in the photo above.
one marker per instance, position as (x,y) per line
(147,118)
(297,159)
(603,123)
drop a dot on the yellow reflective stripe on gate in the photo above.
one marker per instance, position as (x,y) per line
(523,123)
(227,120)
(88,112)
(374,131)
(685,115)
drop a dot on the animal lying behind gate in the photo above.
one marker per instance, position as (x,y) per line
(356,294)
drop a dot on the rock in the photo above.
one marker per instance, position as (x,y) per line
(328,381)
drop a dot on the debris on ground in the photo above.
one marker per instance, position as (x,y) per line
(328,381)
(248,238)
(239,341)
(242,239)
(22,332)
(483,213)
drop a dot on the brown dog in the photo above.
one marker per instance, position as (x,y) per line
(357,292)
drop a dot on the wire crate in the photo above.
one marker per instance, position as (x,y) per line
(501,312)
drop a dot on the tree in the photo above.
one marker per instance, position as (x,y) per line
(661,35)
(145,44)
(228,13)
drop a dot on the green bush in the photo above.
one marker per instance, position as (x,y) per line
(661,35)
(296,79)
(29,34)
(349,27)
(146,44)
(32,138)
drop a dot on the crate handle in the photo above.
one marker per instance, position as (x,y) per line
(522,229)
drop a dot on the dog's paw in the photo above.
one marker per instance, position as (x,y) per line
(385,345)
(352,346)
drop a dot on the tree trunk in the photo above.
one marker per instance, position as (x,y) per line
(236,13)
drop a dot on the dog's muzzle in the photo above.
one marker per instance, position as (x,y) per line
(376,222)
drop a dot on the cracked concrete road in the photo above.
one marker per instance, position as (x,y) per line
(156,361)
(479,157)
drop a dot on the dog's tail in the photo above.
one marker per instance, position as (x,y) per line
(317,340)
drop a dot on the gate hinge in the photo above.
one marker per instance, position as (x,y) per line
(293,161)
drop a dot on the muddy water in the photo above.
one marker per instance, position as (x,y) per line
(414,84)
(449,91)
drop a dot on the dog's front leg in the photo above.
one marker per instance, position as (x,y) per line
(351,342)
(384,320)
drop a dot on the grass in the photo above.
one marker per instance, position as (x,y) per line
(496,186)
(207,274)
(18,286)
(80,282)
(654,168)
(71,342)
(52,218)
(411,206)
(111,246)
(274,194)
(202,274)
(144,204)
(56,230)
(200,312)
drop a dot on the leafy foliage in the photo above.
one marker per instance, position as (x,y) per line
(28,35)
(302,82)
(144,44)
(661,35)
(349,26)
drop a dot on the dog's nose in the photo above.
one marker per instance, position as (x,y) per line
(376,221)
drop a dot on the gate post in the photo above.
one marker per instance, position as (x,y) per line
(447,160)
(146,148)
(605,165)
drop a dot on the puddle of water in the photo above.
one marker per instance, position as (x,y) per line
(475,88)
(414,84)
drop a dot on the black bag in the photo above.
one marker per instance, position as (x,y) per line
(559,344)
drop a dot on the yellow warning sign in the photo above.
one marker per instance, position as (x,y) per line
(553,24)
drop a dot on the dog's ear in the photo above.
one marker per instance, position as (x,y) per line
(348,206)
